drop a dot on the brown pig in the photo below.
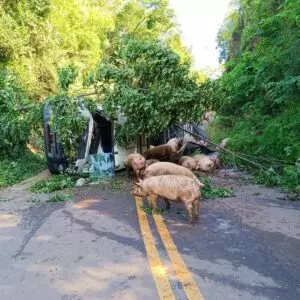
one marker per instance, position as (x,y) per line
(175,143)
(188,162)
(162,152)
(203,163)
(167,168)
(173,187)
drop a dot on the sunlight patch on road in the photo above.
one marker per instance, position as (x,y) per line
(6,216)
(159,270)
(8,220)
(44,237)
(86,203)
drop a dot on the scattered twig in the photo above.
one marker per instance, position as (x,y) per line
(287,163)
(25,107)
(87,94)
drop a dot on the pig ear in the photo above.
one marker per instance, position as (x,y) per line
(137,184)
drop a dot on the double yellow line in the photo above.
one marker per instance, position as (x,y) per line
(158,271)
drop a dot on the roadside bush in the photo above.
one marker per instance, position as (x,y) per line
(14,170)
(15,124)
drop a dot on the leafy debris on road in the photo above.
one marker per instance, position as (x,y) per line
(149,210)
(53,183)
(35,201)
(60,198)
(210,192)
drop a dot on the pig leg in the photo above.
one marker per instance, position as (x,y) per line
(197,208)
(152,202)
(189,209)
(194,210)
(167,202)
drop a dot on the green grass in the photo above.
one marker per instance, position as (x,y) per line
(17,169)
(53,183)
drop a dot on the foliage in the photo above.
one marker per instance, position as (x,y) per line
(37,37)
(16,169)
(53,183)
(211,192)
(66,120)
(267,177)
(35,201)
(288,179)
(15,125)
(66,76)
(147,82)
(272,149)
(262,76)
(258,95)
(60,198)
(149,210)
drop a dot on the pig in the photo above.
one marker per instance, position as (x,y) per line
(216,160)
(162,152)
(135,162)
(150,162)
(203,163)
(175,143)
(167,168)
(188,162)
(172,187)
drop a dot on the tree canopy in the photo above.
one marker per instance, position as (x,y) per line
(37,37)
(147,82)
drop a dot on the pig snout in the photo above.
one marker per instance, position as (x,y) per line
(209,167)
(139,163)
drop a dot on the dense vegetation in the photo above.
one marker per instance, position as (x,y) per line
(49,48)
(37,37)
(259,100)
(16,169)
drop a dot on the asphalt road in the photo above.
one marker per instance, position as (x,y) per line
(102,245)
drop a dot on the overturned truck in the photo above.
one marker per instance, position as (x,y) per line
(99,137)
